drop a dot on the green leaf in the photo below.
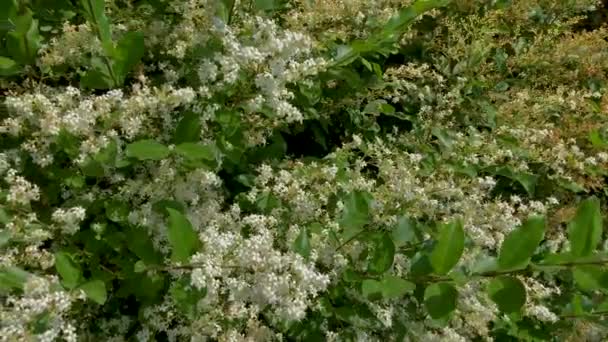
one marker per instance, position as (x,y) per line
(196,151)
(116,211)
(182,237)
(449,247)
(590,277)
(382,255)
(95,290)
(440,299)
(266,5)
(68,270)
(188,129)
(406,15)
(395,287)
(97,79)
(371,289)
(5,237)
(404,232)
(12,278)
(140,266)
(140,243)
(302,243)
(147,150)
(585,230)
(508,293)
(95,14)
(129,51)
(526,180)
(519,246)
(4,218)
(93,168)
(224,10)
(186,297)
(356,212)
(8,67)
(23,42)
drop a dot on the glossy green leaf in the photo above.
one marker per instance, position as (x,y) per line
(383,254)
(12,278)
(508,293)
(23,42)
(182,237)
(188,129)
(116,211)
(69,270)
(129,51)
(407,15)
(302,243)
(95,290)
(590,277)
(267,5)
(449,247)
(440,299)
(95,14)
(4,217)
(585,230)
(371,289)
(97,79)
(5,237)
(395,287)
(195,151)
(147,150)
(139,267)
(8,67)
(356,212)
(404,232)
(519,246)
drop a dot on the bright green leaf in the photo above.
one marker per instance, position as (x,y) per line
(116,211)
(139,266)
(182,237)
(68,270)
(520,244)
(128,52)
(449,247)
(5,237)
(95,14)
(95,290)
(440,299)
(23,42)
(147,150)
(371,289)
(356,212)
(4,218)
(8,67)
(395,287)
(196,151)
(266,5)
(404,232)
(188,129)
(590,277)
(508,293)
(383,254)
(302,243)
(585,230)
(12,278)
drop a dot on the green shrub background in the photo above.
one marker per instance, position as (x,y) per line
(303,170)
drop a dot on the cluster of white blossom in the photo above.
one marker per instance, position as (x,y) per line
(251,272)
(68,220)
(20,192)
(42,304)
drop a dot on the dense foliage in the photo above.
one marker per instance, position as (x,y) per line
(303,170)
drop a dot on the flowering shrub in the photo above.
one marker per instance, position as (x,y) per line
(306,170)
